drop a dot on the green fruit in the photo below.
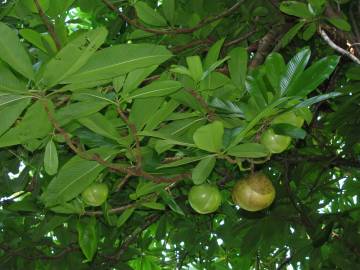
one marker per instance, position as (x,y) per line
(289,118)
(95,194)
(204,198)
(275,143)
(254,193)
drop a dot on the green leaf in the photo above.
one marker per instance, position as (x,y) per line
(156,89)
(51,161)
(72,57)
(210,137)
(195,67)
(295,8)
(34,125)
(162,113)
(203,169)
(238,66)
(353,73)
(88,236)
(309,31)
(288,37)
(100,125)
(143,109)
(149,15)
(124,217)
(74,177)
(169,138)
(310,101)
(248,150)
(313,76)
(275,67)
(213,53)
(145,188)
(135,78)
(289,130)
(119,59)
(339,23)
(168,7)
(10,113)
(8,81)
(169,200)
(34,38)
(294,69)
(183,161)
(73,207)
(13,53)
(154,205)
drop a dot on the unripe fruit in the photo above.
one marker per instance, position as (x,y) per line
(275,143)
(204,198)
(254,193)
(95,194)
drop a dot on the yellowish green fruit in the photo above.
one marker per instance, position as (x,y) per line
(254,193)
(205,198)
(95,194)
(274,142)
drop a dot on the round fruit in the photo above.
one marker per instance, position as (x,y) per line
(254,193)
(289,118)
(95,194)
(204,198)
(275,143)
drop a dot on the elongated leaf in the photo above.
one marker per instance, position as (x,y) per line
(164,111)
(169,10)
(124,217)
(74,177)
(203,169)
(195,67)
(289,130)
(238,66)
(100,125)
(313,76)
(210,137)
(34,38)
(135,78)
(248,150)
(213,53)
(7,99)
(72,57)
(51,161)
(88,236)
(169,200)
(294,69)
(167,137)
(295,8)
(120,59)
(275,67)
(149,15)
(9,114)
(34,125)
(156,89)
(183,161)
(288,37)
(339,23)
(13,53)
(316,99)
(8,81)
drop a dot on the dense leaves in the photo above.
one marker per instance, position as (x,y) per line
(125,127)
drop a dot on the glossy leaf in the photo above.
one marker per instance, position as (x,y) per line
(275,66)
(248,150)
(295,8)
(88,236)
(203,169)
(13,53)
(51,161)
(72,57)
(209,137)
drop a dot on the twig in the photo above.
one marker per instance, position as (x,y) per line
(202,23)
(202,102)
(48,25)
(132,237)
(133,133)
(340,50)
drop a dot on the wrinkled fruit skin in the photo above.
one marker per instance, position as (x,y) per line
(254,193)
(96,194)
(205,198)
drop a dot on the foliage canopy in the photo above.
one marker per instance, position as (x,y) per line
(151,98)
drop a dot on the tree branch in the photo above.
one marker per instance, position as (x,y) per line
(202,102)
(48,25)
(202,23)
